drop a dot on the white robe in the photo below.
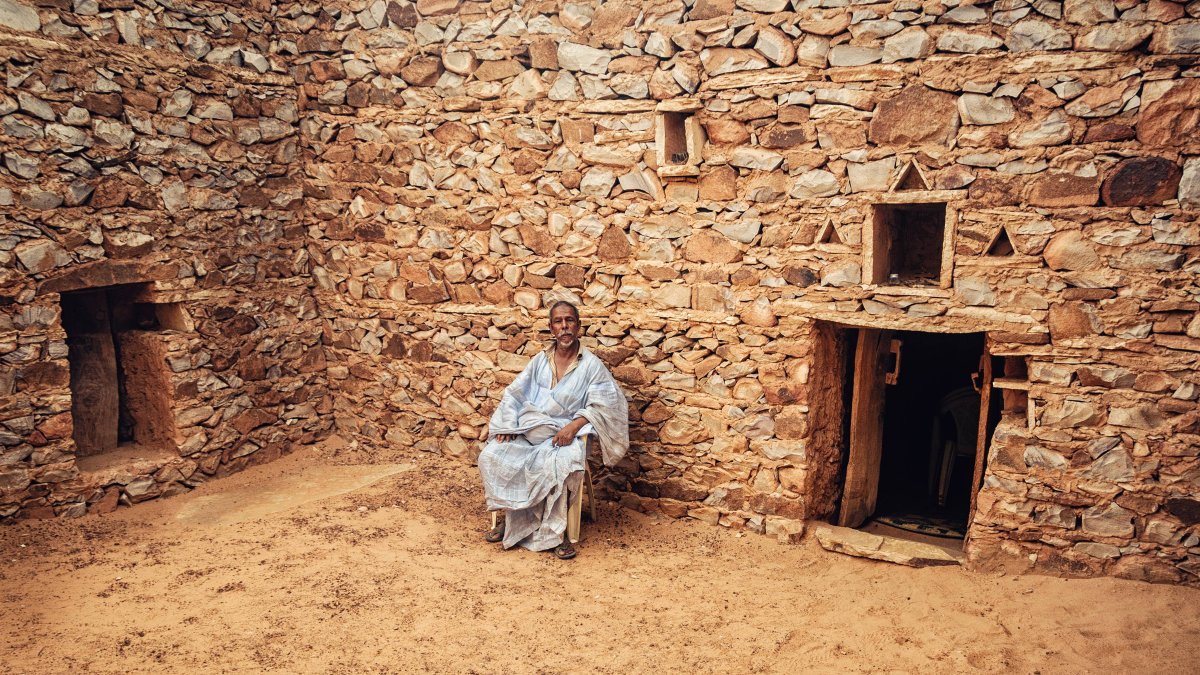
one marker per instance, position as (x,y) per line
(529,477)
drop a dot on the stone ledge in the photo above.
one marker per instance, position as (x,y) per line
(866,545)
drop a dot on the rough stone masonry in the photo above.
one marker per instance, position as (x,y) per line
(349,216)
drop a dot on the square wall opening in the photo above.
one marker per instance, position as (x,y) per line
(120,389)
(908,244)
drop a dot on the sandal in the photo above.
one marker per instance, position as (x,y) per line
(565,550)
(496,534)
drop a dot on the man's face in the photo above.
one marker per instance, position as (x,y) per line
(564,326)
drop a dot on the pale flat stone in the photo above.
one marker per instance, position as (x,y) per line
(1115,37)
(744,230)
(849,55)
(979,109)
(1034,35)
(1053,129)
(875,30)
(871,176)
(565,87)
(865,545)
(41,255)
(910,43)
(818,183)
(722,60)
(841,273)
(777,47)
(1088,12)
(1108,520)
(1189,185)
(755,158)
(582,58)
(964,42)
(1181,38)
(763,6)
(18,16)
(460,63)
(597,182)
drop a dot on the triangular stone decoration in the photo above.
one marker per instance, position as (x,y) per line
(828,234)
(911,178)
(1000,245)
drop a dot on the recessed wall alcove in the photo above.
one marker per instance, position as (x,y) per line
(120,390)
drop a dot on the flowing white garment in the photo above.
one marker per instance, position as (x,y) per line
(529,477)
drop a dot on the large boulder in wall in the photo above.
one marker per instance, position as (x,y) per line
(1173,118)
(916,116)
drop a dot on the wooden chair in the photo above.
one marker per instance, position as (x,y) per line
(954,434)
(575,505)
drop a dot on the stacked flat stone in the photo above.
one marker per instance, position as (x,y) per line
(454,167)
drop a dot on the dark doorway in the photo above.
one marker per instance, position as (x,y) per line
(914,435)
(930,434)
(119,386)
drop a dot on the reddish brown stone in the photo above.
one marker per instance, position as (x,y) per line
(140,99)
(402,16)
(422,72)
(358,95)
(537,239)
(916,116)
(785,137)
(1068,320)
(995,189)
(710,9)
(571,276)
(1063,190)
(109,105)
(1109,132)
(726,132)
(427,294)
(107,503)
(719,184)
(1088,294)
(111,192)
(490,71)
(318,41)
(707,246)
(454,133)
(543,53)
(1173,119)
(614,245)
(1141,181)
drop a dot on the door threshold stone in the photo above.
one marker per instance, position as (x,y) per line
(877,547)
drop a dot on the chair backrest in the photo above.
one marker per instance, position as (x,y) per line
(962,407)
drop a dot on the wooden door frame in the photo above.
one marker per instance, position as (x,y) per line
(860,490)
(861,482)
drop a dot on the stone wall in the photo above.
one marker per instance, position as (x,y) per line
(472,162)
(713,182)
(152,144)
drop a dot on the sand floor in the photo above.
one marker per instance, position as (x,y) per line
(316,563)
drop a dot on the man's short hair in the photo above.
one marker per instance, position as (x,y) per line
(562,303)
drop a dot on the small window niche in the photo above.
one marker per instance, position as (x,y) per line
(1014,387)
(908,237)
(679,138)
(120,389)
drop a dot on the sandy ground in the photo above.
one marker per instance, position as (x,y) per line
(316,563)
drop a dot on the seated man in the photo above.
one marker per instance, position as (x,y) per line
(534,456)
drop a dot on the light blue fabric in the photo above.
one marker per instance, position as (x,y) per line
(529,477)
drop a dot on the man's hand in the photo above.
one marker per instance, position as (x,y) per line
(567,433)
(506,438)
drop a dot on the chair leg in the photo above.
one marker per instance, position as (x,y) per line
(574,515)
(947,470)
(591,494)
